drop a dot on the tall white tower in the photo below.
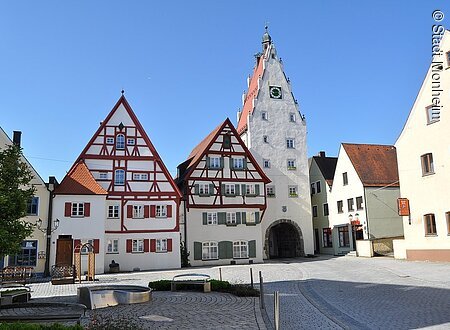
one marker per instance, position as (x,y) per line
(274,130)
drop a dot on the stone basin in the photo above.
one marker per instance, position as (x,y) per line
(100,296)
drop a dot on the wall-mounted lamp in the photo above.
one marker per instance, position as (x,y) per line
(44,230)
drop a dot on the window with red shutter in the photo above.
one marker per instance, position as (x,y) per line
(169,211)
(146,245)
(96,245)
(67,209)
(153,245)
(87,209)
(129,245)
(169,245)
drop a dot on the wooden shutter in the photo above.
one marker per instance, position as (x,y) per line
(153,245)
(221,162)
(129,245)
(257,217)
(221,218)
(196,189)
(207,165)
(146,211)
(244,219)
(229,249)
(169,245)
(244,191)
(169,211)
(146,245)
(76,242)
(252,249)
(67,209)
(211,189)
(197,250)
(236,187)
(257,189)
(222,250)
(129,211)
(152,211)
(205,218)
(245,162)
(96,245)
(87,209)
(223,189)
(231,163)
(238,218)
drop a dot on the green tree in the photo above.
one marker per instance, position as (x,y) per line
(15,192)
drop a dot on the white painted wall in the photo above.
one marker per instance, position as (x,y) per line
(427,194)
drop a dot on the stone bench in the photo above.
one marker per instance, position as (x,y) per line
(13,293)
(191,279)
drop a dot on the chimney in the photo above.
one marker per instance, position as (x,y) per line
(322,154)
(16,137)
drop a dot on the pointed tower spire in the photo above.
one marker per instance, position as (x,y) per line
(266,39)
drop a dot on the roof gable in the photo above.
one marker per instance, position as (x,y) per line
(327,166)
(79,181)
(204,146)
(376,165)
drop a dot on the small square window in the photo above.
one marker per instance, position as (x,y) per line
(112,246)
(131,142)
(264,115)
(103,175)
(230,189)
(77,209)
(265,139)
(231,218)
(270,191)
(161,245)
(109,140)
(238,163)
(292,117)
(161,211)
(215,162)
(138,245)
(427,164)
(113,211)
(290,143)
(266,163)
(203,189)
(291,164)
(212,218)
(32,206)
(138,212)
(293,191)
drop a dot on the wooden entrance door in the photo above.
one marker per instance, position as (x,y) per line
(64,249)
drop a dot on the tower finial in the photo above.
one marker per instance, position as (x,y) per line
(122,91)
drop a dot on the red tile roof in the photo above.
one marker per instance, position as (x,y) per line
(376,165)
(79,181)
(252,92)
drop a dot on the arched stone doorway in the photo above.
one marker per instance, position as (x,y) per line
(284,239)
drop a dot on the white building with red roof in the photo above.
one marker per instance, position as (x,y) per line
(272,127)
(224,200)
(119,197)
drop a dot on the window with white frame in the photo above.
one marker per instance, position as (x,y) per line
(238,163)
(203,189)
(250,217)
(266,163)
(119,177)
(293,191)
(210,250)
(112,246)
(113,211)
(430,224)
(27,255)
(103,175)
(265,139)
(314,211)
(290,143)
(264,115)
(270,191)
(240,249)
(214,162)
(86,248)
(250,189)
(109,140)
(427,164)
(137,245)
(291,164)
(161,245)
(432,114)
(230,189)
(161,211)
(292,117)
(120,141)
(33,206)
(231,218)
(77,209)
(131,142)
(211,218)
(138,211)
(140,176)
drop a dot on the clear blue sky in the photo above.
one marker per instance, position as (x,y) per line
(355,67)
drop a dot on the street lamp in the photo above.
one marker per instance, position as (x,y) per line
(45,229)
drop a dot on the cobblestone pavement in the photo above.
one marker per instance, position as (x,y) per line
(318,293)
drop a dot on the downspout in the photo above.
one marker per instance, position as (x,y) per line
(367,214)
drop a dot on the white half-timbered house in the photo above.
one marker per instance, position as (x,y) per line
(224,196)
(120,197)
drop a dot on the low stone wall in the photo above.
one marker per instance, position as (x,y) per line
(384,246)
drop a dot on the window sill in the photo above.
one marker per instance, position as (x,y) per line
(161,217)
(431,235)
(77,216)
(250,223)
(204,195)
(240,258)
(292,168)
(231,224)
(293,196)
(215,259)
(433,122)
(161,251)
(113,218)
(137,252)
(112,252)
(427,174)
(270,196)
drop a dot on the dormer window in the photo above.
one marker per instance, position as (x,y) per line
(120,141)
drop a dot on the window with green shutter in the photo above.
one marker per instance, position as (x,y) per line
(222,218)
(197,250)
(225,250)
(252,249)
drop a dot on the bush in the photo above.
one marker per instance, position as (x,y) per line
(220,286)
(31,326)
(161,285)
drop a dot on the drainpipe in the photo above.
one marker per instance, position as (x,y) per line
(367,214)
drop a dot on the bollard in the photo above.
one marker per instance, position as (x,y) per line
(276,309)
(220,273)
(261,291)
(251,277)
